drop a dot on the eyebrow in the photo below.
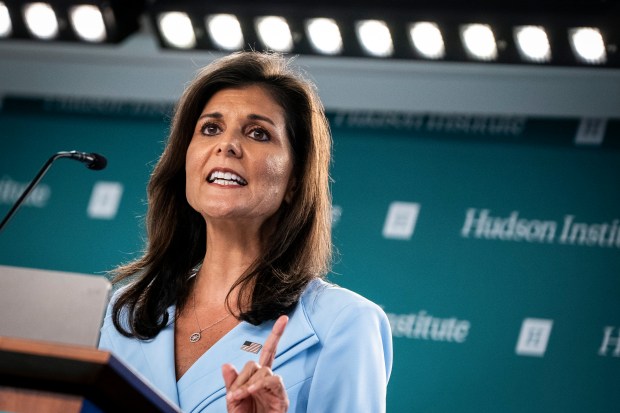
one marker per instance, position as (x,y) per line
(251,116)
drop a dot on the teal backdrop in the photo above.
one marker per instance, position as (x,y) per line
(492,243)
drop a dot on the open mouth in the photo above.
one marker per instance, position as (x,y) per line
(226,178)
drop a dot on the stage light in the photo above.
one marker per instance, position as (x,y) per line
(588,45)
(324,36)
(87,22)
(532,43)
(274,33)
(375,38)
(479,41)
(427,40)
(41,20)
(5,21)
(177,30)
(225,31)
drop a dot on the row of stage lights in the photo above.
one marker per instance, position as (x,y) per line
(375,38)
(339,36)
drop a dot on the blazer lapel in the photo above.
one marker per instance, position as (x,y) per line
(159,357)
(202,384)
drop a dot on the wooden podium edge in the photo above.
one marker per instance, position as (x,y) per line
(76,370)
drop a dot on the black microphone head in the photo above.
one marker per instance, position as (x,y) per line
(98,162)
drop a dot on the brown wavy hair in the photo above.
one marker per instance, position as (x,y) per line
(300,247)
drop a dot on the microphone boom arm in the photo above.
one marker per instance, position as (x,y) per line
(89,159)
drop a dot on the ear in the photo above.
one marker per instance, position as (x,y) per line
(290,190)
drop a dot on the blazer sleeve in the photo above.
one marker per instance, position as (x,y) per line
(355,362)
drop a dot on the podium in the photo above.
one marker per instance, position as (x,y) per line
(37,376)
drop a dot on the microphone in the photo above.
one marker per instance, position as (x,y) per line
(92,161)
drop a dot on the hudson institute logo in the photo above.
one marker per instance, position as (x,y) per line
(483,224)
(336,214)
(534,337)
(104,200)
(610,342)
(591,131)
(11,190)
(424,326)
(400,220)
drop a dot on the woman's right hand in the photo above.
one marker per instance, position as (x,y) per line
(256,389)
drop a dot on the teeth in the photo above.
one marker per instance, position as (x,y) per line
(225,182)
(226,178)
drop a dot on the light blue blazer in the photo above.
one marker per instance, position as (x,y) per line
(335,356)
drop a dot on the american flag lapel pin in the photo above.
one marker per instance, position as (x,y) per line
(251,347)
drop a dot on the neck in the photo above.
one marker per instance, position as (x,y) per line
(231,250)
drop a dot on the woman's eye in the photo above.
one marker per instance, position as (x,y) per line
(210,129)
(259,134)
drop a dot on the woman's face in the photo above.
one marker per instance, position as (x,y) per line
(239,162)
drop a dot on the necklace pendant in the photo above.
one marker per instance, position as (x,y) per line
(194,337)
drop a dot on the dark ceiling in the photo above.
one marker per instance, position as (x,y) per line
(608,7)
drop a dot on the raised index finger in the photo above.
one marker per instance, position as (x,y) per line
(268,353)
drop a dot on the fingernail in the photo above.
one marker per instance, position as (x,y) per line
(232,396)
(252,388)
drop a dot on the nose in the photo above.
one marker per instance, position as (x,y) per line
(228,145)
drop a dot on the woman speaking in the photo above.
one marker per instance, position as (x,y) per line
(228,309)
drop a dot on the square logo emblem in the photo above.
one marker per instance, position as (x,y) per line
(591,131)
(400,220)
(336,214)
(104,200)
(534,337)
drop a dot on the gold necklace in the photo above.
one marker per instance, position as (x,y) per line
(194,337)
